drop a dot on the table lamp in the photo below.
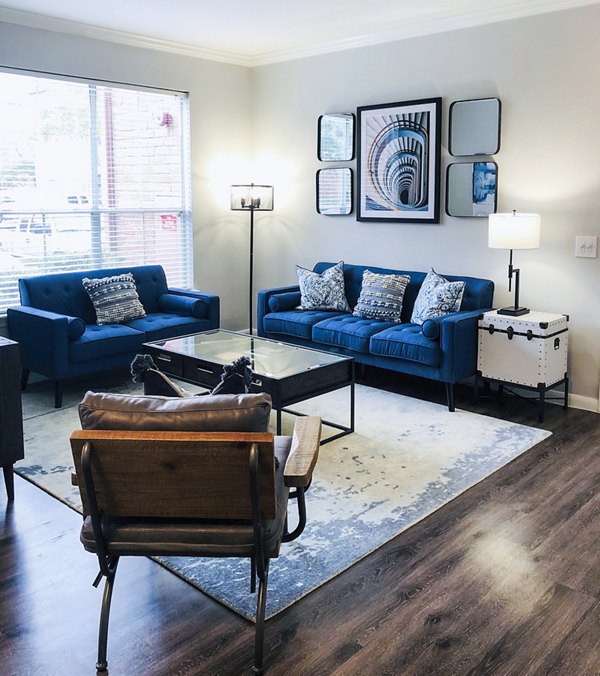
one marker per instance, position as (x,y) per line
(514,231)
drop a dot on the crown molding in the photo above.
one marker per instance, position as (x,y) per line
(504,11)
(49,23)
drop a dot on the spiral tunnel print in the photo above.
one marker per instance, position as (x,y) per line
(398,162)
(399,156)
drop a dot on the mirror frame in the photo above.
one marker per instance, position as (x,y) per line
(494,135)
(321,136)
(344,202)
(448,190)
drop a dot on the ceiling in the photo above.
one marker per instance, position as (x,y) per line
(264,31)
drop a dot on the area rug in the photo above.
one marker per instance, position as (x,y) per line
(406,459)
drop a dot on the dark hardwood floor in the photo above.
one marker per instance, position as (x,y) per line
(505,579)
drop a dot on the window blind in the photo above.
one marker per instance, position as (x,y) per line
(92,175)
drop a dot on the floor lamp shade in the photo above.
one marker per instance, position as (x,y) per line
(514,231)
(251,197)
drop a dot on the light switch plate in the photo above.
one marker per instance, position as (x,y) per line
(586,246)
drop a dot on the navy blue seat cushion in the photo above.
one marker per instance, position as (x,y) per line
(161,325)
(406,341)
(105,340)
(348,331)
(298,323)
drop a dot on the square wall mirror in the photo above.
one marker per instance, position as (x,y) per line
(335,137)
(471,189)
(474,127)
(335,193)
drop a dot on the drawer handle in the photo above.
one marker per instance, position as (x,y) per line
(199,368)
(164,357)
(509,332)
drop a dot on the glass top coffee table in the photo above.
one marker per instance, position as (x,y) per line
(290,374)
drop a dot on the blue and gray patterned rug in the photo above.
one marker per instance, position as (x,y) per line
(406,459)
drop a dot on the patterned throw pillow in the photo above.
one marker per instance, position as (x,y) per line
(381,296)
(115,298)
(437,296)
(323,291)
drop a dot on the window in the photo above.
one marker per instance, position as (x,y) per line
(91,175)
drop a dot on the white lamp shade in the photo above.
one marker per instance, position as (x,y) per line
(514,231)
(252,196)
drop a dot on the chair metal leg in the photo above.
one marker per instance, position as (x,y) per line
(252,575)
(287,536)
(102,664)
(259,636)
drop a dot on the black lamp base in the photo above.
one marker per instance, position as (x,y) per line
(513,311)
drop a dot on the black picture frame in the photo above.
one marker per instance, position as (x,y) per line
(471,189)
(474,127)
(335,191)
(399,150)
(336,134)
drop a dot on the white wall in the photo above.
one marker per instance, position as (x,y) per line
(221,136)
(545,71)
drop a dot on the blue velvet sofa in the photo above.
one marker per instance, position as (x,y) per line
(443,349)
(56,328)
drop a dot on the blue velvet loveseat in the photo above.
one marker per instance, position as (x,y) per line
(442,349)
(58,334)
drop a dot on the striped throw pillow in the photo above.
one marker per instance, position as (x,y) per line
(115,298)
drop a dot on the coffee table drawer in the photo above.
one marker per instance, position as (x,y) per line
(202,372)
(168,362)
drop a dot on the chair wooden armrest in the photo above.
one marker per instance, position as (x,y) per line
(304,451)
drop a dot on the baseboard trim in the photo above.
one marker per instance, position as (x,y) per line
(583,403)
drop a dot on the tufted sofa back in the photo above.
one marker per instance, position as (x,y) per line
(478,292)
(63,292)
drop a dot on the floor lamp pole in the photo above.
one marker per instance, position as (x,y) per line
(250,299)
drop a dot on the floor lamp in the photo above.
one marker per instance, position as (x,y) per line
(514,231)
(251,198)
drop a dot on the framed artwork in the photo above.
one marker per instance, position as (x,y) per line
(399,148)
(334,191)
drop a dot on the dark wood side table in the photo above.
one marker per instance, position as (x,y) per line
(11,414)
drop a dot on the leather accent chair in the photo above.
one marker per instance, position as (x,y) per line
(164,488)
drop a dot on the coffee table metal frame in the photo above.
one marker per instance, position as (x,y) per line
(183,359)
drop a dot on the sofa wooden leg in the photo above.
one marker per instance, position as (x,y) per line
(58,393)
(9,480)
(450,396)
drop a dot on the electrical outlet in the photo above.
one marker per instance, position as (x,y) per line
(586,246)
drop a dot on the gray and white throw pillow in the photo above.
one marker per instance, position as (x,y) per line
(437,296)
(115,298)
(324,291)
(381,296)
